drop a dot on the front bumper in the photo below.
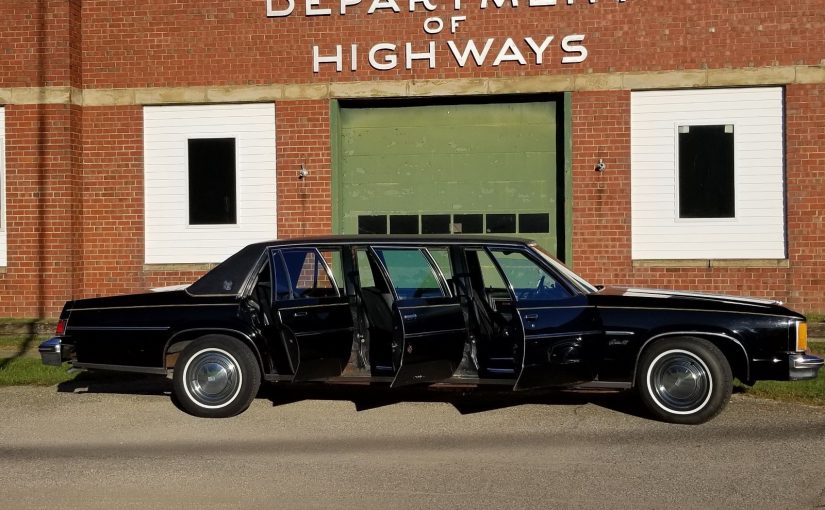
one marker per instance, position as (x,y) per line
(804,366)
(53,352)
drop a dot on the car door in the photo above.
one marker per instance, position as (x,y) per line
(428,317)
(560,329)
(312,313)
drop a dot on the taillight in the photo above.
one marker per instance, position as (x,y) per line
(61,327)
(801,336)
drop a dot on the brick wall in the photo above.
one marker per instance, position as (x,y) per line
(75,173)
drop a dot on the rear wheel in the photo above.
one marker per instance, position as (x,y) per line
(684,380)
(216,377)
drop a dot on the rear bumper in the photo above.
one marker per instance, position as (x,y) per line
(53,352)
(804,366)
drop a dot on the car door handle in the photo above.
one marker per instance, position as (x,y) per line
(299,314)
(531,317)
(410,317)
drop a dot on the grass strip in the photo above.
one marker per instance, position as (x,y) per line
(32,372)
(18,341)
(807,392)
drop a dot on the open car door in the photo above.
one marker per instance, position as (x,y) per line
(429,324)
(561,333)
(312,313)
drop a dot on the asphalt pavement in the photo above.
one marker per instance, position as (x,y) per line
(99,445)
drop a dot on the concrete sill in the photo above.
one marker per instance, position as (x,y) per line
(711,263)
(159,268)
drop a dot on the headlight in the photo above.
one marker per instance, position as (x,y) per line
(801,336)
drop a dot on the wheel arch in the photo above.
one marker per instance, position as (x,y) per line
(181,339)
(734,351)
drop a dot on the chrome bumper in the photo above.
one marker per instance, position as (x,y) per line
(52,352)
(804,366)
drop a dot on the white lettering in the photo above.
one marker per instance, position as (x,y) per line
(353,53)
(499,3)
(569,45)
(457,5)
(348,3)
(454,22)
(509,52)
(541,3)
(426,3)
(427,55)
(389,61)
(461,57)
(312,11)
(383,4)
(433,25)
(272,13)
(337,59)
(539,50)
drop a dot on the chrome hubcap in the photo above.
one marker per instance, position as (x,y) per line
(680,382)
(213,378)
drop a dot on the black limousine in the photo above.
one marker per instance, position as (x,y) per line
(431,310)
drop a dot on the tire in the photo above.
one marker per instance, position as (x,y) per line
(215,377)
(684,380)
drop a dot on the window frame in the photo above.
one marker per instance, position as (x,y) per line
(283,267)
(435,270)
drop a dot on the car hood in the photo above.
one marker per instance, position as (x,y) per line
(672,299)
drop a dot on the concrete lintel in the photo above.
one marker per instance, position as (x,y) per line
(154,268)
(359,89)
(810,74)
(108,97)
(171,95)
(598,81)
(665,80)
(244,94)
(756,263)
(671,263)
(751,76)
(303,92)
(532,84)
(462,87)
(36,95)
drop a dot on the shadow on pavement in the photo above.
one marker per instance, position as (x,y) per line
(464,400)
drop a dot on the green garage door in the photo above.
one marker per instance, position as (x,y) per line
(459,168)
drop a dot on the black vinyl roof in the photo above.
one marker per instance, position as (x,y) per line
(227,278)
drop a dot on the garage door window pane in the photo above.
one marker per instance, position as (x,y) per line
(212,199)
(534,223)
(435,224)
(468,224)
(404,224)
(372,224)
(501,223)
(706,185)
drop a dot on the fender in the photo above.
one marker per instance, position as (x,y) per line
(199,332)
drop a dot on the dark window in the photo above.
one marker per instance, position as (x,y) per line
(435,224)
(534,223)
(404,224)
(372,224)
(468,224)
(706,188)
(501,223)
(212,181)
(411,273)
(303,274)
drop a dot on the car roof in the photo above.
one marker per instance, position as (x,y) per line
(228,277)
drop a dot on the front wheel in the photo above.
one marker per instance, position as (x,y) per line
(216,377)
(684,380)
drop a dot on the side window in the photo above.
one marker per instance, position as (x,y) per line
(411,273)
(365,276)
(529,281)
(302,273)
(441,256)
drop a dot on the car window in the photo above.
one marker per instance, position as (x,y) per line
(303,273)
(441,256)
(411,274)
(530,281)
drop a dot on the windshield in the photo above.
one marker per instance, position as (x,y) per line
(580,283)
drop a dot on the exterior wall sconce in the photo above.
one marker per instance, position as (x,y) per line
(303,172)
(600,165)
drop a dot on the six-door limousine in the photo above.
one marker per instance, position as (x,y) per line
(424,310)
